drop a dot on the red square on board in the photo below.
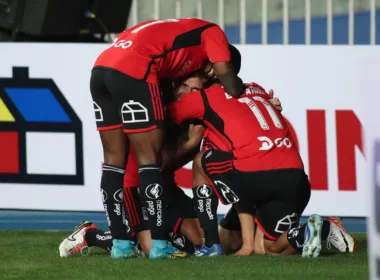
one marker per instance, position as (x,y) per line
(9,152)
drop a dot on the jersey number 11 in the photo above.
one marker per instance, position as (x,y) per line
(251,102)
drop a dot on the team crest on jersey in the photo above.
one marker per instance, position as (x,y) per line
(185,67)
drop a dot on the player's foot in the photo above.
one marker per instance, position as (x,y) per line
(125,249)
(204,251)
(313,237)
(76,242)
(165,250)
(339,237)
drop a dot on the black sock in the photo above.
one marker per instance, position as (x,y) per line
(325,229)
(112,193)
(296,237)
(99,238)
(206,205)
(181,243)
(152,196)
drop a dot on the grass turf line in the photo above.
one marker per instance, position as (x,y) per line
(34,255)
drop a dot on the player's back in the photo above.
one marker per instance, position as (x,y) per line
(166,48)
(161,32)
(252,129)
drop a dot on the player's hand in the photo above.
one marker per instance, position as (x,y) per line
(196,132)
(274,100)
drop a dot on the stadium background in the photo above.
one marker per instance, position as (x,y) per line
(320,56)
(258,22)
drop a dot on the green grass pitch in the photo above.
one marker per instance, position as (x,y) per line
(34,255)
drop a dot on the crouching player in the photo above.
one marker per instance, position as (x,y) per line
(181,213)
(259,165)
(243,242)
(245,237)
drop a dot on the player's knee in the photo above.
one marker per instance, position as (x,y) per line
(147,146)
(114,147)
(115,157)
(149,157)
(117,160)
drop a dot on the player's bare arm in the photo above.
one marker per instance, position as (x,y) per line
(226,75)
(176,156)
(244,211)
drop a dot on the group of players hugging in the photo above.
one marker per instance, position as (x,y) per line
(167,92)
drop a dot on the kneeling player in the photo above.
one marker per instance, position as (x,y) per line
(260,164)
(243,242)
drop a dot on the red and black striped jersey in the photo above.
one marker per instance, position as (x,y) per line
(248,126)
(168,48)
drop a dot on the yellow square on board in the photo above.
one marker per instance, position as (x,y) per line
(5,115)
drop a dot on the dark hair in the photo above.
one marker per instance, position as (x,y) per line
(235,58)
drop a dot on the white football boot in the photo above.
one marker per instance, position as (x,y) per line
(339,237)
(76,243)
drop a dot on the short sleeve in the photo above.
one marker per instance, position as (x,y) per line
(215,44)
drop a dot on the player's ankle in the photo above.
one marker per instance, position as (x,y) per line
(121,243)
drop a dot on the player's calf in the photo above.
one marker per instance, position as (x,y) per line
(206,205)
(147,147)
(113,202)
(152,197)
(306,239)
(114,147)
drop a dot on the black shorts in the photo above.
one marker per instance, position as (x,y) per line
(280,196)
(231,219)
(122,101)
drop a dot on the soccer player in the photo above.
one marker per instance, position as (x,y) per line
(183,229)
(259,164)
(230,230)
(127,100)
(231,235)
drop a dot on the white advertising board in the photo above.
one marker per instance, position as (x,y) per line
(320,88)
